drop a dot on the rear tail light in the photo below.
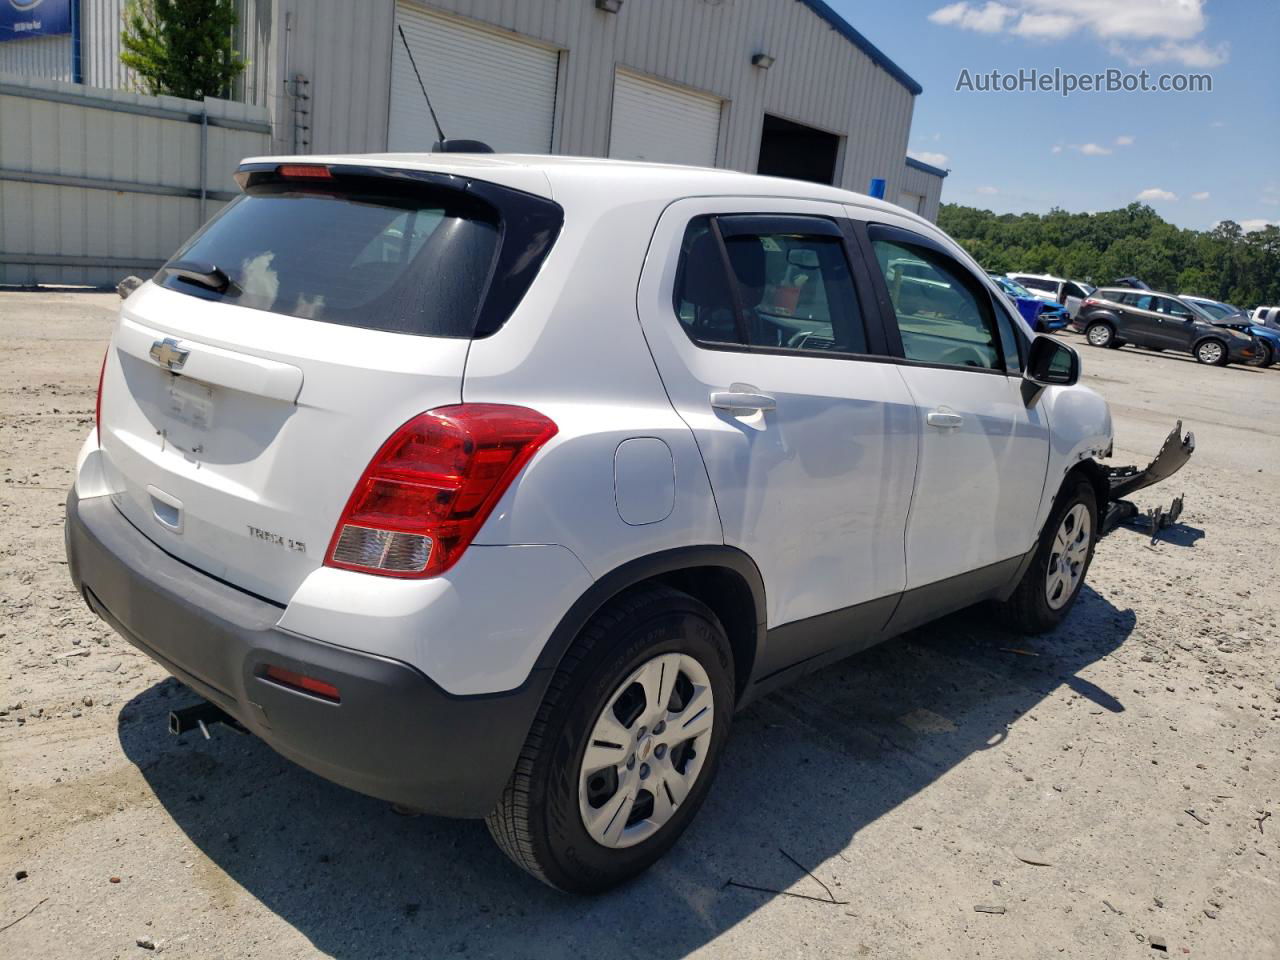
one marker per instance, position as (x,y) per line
(431,486)
(97,403)
(1090,302)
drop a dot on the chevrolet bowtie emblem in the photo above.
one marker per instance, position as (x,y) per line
(167,353)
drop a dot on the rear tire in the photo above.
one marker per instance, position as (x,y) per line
(1049,587)
(558,815)
(1100,334)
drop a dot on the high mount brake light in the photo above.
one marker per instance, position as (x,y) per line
(304,171)
(430,487)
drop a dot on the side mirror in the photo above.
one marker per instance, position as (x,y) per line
(1052,363)
(127,286)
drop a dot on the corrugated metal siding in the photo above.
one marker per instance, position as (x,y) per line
(819,78)
(88,139)
(344,49)
(48,57)
(927,185)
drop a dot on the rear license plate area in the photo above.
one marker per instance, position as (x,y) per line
(189,402)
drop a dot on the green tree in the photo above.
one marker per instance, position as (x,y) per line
(1224,263)
(184,48)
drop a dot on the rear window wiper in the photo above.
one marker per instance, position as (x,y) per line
(203,274)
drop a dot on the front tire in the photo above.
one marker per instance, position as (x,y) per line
(625,745)
(1212,353)
(1266,356)
(1049,587)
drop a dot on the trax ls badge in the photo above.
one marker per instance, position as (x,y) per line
(167,353)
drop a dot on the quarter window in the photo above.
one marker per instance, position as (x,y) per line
(944,315)
(787,287)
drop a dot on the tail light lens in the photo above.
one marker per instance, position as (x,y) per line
(1090,302)
(97,403)
(431,486)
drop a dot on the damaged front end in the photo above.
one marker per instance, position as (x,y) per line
(1175,452)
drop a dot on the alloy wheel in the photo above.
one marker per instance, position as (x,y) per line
(1067,557)
(1210,352)
(646,750)
(1099,335)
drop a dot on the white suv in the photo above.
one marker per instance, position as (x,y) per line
(493,486)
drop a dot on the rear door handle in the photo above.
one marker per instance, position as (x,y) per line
(740,399)
(944,419)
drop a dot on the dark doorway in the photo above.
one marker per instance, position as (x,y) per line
(793,150)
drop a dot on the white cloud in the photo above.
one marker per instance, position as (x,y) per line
(989,18)
(1152,194)
(1057,148)
(1218,123)
(1170,25)
(1093,150)
(1124,141)
(1202,195)
(1191,55)
(929,157)
(988,191)
(1249,226)
(1045,26)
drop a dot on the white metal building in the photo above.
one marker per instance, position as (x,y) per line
(784,87)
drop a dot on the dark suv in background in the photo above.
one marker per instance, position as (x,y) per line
(1112,317)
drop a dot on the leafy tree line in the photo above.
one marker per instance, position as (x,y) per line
(1224,263)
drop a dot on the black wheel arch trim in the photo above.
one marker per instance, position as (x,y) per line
(650,567)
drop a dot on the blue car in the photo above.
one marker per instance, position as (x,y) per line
(1040,315)
(1227,315)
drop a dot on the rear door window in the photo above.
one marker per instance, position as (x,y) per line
(788,285)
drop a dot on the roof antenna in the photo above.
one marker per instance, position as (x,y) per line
(443,145)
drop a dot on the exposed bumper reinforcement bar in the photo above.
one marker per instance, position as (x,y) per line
(1174,453)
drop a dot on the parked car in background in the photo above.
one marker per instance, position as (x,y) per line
(1267,317)
(1114,316)
(521,549)
(1229,315)
(1040,314)
(1069,293)
(1132,282)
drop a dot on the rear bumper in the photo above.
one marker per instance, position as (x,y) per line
(394,734)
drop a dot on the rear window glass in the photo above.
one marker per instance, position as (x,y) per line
(405,263)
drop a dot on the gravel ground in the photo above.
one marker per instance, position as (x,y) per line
(1101,788)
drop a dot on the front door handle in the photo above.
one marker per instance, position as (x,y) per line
(740,399)
(944,419)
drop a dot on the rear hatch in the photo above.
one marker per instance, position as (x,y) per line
(249,384)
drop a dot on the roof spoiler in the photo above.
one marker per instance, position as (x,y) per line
(461,146)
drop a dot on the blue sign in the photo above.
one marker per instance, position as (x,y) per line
(20,19)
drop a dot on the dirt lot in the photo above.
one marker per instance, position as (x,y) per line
(1132,753)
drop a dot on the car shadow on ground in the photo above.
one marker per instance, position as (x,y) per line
(806,769)
(1177,534)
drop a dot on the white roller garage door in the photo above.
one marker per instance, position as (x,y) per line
(485,85)
(662,123)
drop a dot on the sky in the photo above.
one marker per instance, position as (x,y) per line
(1196,157)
